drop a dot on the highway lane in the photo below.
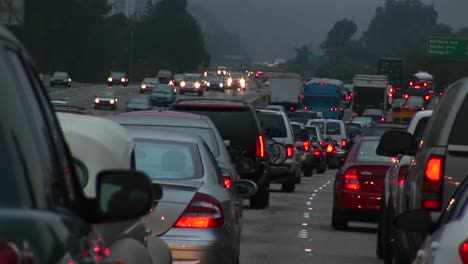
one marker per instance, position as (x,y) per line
(296,229)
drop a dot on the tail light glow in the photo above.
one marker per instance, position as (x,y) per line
(425,84)
(306,107)
(330,148)
(321,143)
(382,119)
(411,83)
(317,152)
(291,108)
(393,159)
(406,96)
(432,184)
(427,97)
(9,253)
(402,172)
(289,150)
(351,180)
(306,145)
(204,211)
(227,180)
(344,143)
(434,169)
(463,252)
(260,150)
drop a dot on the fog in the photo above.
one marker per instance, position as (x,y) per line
(271,29)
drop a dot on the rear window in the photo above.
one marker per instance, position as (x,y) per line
(378,131)
(313,133)
(460,126)
(308,115)
(296,129)
(206,134)
(164,159)
(366,153)
(320,125)
(333,129)
(273,124)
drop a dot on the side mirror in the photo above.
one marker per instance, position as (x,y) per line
(244,188)
(122,195)
(393,142)
(227,143)
(415,221)
(245,165)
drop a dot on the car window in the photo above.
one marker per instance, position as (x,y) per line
(312,132)
(366,153)
(296,129)
(273,124)
(163,88)
(460,126)
(215,165)
(308,115)
(320,125)
(205,133)
(105,94)
(165,159)
(457,205)
(333,128)
(420,128)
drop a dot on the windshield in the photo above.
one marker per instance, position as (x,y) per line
(150,80)
(366,153)
(163,89)
(215,79)
(191,77)
(105,94)
(273,124)
(320,125)
(333,128)
(60,74)
(308,115)
(163,159)
(118,75)
(415,101)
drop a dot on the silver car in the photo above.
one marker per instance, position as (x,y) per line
(197,214)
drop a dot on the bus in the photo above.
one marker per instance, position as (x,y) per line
(323,95)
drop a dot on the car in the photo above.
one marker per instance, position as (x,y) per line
(164,76)
(439,161)
(188,123)
(60,78)
(117,78)
(276,125)
(197,214)
(192,83)
(377,115)
(147,84)
(112,148)
(275,108)
(105,99)
(446,241)
(358,184)
(214,83)
(306,114)
(177,79)
(313,156)
(354,130)
(416,102)
(163,95)
(138,104)
(364,121)
(393,198)
(377,130)
(44,214)
(72,109)
(237,123)
(336,130)
(236,80)
(319,148)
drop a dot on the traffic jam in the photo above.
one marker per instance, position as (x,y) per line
(144,132)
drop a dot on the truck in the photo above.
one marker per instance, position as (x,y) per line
(393,69)
(323,95)
(285,89)
(370,91)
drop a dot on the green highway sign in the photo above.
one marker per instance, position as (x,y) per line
(447,47)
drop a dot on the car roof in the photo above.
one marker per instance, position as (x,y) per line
(297,123)
(158,118)
(388,125)
(212,103)
(167,136)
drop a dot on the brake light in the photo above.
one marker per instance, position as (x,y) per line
(289,150)
(391,90)
(306,108)
(425,84)
(427,97)
(417,87)
(432,184)
(344,143)
(227,181)
(463,252)
(306,145)
(382,119)
(204,211)
(390,95)
(411,83)
(402,174)
(9,253)
(260,150)
(330,148)
(317,152)
(301,96)
(406,96)
(351,180)
(291,108)
(321,143)
(393,159)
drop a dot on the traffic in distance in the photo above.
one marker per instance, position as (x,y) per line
(174,159)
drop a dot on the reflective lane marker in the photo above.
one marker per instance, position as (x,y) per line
(303,234)
(306,215)
(308,203)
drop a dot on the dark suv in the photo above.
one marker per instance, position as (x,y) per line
(240,128)
(44,215)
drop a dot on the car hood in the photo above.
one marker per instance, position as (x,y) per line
(177,195)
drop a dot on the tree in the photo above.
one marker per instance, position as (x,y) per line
(149,8)
(339,38)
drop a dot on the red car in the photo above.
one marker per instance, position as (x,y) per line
(359,184)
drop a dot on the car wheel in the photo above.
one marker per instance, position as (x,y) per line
(298,176)
(322,168)
(290,184)
(308,170)
(339,221)
(261,199)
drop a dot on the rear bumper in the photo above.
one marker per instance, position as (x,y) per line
(359,201)
(280,173)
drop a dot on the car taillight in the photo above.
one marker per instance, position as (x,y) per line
(463,252)
(402,172)
(390,95)
(344,143)
(406,96)
(291,108)
(317,152)
(9,253)
(227,181)
(306,108)
(330,148)
(432,184)
(289,150)
(204,211)
(306,145)
(321,143)
(260,147)
(427,97)
(382,119)
(351,180)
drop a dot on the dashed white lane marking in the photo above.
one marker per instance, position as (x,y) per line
(306,215)
(308,203)
(303,234)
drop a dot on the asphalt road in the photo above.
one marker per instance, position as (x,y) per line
(83,95)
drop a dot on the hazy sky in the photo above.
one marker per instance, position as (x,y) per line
(273,28)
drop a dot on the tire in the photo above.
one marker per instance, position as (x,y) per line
(298,176)
(290,184)
(339,221)
(322,168)
(261,199)
(308,170)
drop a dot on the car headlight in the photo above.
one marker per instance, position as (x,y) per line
(143,86)
(197,85)
(109,79)
(111,101)
(122,80)
(182,84)
(229,82)
(221,85)
(96,100)
(69,79)
(208,84)
(175,90)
